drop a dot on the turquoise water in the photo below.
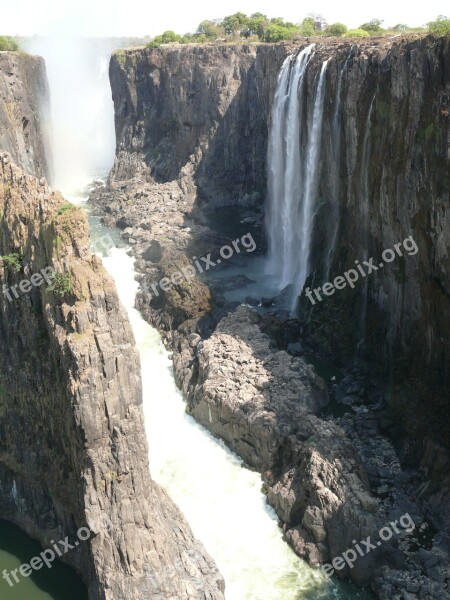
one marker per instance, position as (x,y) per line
(58,583)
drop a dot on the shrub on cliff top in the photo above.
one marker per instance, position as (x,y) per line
(168,37)
(373,26)
(277,33)
(8,43)
(336,29)
(357,33)
(440,27)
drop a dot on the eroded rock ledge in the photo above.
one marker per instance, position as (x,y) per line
(73,450)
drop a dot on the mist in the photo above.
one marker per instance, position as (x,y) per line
(82,113)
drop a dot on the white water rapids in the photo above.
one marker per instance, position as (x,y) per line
(221,500)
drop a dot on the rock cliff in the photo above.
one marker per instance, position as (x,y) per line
(205,106)
(192,126)
(200,115)
(73,450)
(24,106)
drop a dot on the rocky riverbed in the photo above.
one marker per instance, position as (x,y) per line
(331,479)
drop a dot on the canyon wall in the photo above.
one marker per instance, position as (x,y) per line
(24,112)
(203,106)
(200,115)
(73,450)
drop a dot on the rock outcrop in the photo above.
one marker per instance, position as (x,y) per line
(73,450)
(24,112)
(330,481)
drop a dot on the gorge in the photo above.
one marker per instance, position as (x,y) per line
(350,144)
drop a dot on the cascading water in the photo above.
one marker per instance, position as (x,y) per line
(364,219)
(293,174)
(334,186)
(310,193)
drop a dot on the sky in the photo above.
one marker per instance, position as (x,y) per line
(106,18)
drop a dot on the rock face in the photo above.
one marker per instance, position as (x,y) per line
(385,177)
(207,106)
(321,475)
(73,450)
(24,106)
(200,116)
(195,120)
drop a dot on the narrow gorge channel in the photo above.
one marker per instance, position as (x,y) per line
(220,497)
(224,434)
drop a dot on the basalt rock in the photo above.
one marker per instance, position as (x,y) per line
(24,107)
(73,450)
(198,118)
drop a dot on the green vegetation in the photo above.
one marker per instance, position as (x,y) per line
(61,284)
(441,26)
(336,29)
(8,43)
(66,207)
(373,26)
(13,261)
(357,33)
(240,28)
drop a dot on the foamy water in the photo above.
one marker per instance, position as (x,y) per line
(220,498)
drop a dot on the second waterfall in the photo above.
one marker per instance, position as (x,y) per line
(293,172)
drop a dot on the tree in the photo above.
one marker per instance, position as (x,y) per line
(357,33)
(374,26)
(169,36)
(307,27)
(166,38)
(400,27)
(257,24)
(235,23)
(277,33)
(336,29)
(319,21)
(210,29)
(8,43)
(441,26)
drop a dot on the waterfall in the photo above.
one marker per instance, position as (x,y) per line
(285,164)
(82,112)
(364,219)
(334,216)
(293,173)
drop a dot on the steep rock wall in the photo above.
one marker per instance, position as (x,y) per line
(73,450)
(202,105)
(24,106)
(384,175)
(389,179)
